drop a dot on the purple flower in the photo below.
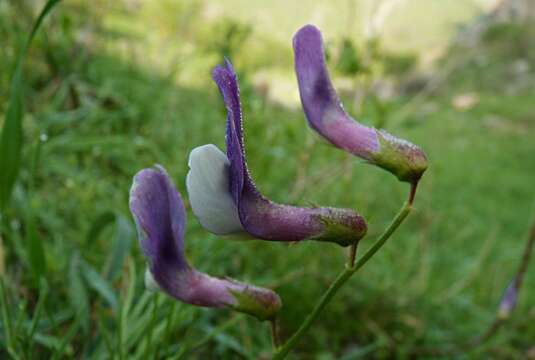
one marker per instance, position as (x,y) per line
(160,218)
(326,115)
(508,301)
(226,201)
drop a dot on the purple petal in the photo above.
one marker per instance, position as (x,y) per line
(326,115)
(160,218)
(509,299)
(226,80)
(267,220)
(259,216)
(208,291)
(322,107)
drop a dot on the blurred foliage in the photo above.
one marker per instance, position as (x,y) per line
(511,39)
(348,60)
(106,97)
(399,64)
(227,38)
(372,59)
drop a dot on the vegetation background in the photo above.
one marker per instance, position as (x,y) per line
(112,87)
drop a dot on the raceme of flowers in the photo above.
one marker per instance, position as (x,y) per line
(225,200)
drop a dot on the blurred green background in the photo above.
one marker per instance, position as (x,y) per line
(111,87)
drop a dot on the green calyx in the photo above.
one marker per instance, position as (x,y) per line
(341,229)
(263,304)
(402,158)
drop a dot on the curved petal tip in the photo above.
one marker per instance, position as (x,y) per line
(160,218)
(326,115)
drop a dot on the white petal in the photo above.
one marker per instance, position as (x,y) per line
(150,283)
(208,189)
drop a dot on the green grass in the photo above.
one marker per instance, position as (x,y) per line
(103,116)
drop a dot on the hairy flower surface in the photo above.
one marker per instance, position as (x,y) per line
(160,218)
(226,201)
(326,115)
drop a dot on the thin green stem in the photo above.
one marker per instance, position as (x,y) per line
(167,331)
(148,346)
(352,255)
(341,280)
(120,329)
(396,222)
(274,333)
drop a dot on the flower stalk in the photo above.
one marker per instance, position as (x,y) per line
(341,279)
(352,255)
(275,338)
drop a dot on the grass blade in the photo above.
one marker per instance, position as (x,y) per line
(34,247)
(6,318)
(78,295)
(121,246)
(11,137)
(37,314)
(98,225)
(99,284)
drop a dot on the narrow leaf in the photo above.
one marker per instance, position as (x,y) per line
(122,241)
(11,137)
(6,315)
(98,225)
(99,284)
(78,296)
(34,247)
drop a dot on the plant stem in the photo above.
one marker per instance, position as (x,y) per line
(396,222)
(341,280)
(148,348)
(275,333)
(500,319)
(412,194)
(352,255)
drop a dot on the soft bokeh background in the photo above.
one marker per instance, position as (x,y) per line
(115,86)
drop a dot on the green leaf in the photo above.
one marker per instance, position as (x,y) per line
(43,294)
(122,242)
(131,290)
(78,296)
(6,317)
(34,247)
(99,284)
(98,225)
(48,341)
(32,331)
(11,137)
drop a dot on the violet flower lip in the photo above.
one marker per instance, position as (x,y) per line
(225,199)
(326,115)
(160,219)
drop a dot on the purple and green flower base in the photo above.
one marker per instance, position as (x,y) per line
(326,115)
